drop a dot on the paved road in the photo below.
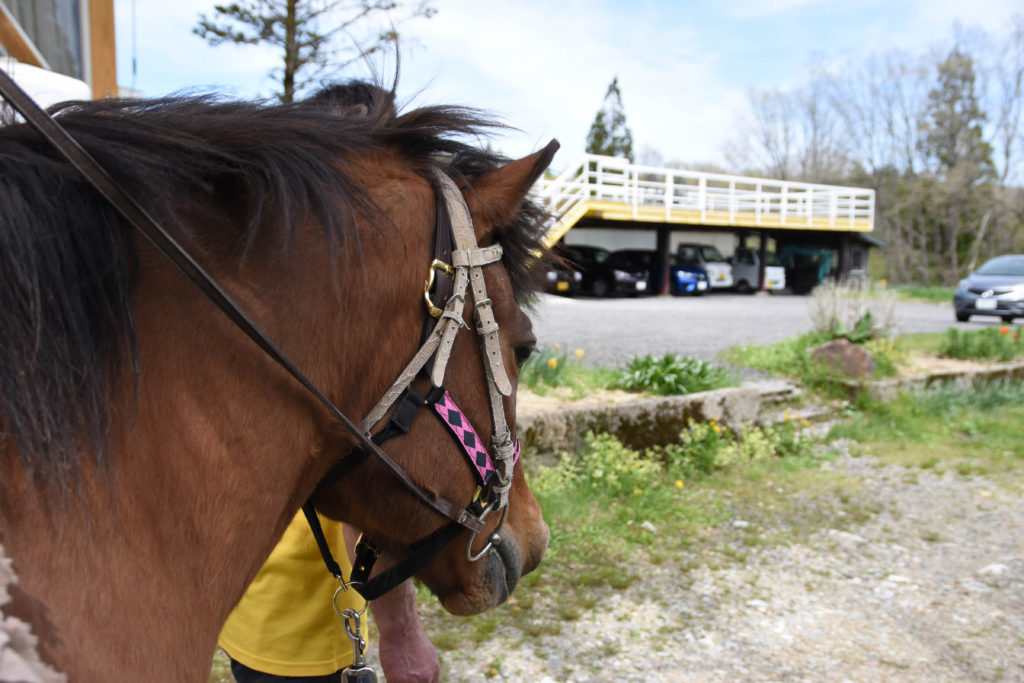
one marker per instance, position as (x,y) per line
(608,330)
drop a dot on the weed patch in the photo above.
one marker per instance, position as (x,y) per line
(1000,343)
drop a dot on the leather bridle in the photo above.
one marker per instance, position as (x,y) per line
(467,262)
(493,473)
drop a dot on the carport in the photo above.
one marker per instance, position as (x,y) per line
(625,205)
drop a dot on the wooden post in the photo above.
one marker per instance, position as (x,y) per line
(17,44)
(102,49)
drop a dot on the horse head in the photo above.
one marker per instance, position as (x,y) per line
(463,387)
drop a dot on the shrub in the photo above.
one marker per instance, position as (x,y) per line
(698,450)
(605,466)
(706,446)
(672,375)
(853,310)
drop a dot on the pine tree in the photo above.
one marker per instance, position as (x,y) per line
(609,135)
(304,30)
(953,139)
(952,127)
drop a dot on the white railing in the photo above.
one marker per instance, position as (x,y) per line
(693,196)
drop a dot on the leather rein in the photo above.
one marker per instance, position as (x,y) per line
(467,260)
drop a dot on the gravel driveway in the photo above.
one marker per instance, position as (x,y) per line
(608,330)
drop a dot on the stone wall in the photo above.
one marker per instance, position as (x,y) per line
(645,422)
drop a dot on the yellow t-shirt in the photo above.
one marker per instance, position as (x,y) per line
(285,623)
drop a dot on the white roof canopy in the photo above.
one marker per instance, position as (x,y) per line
(45,87)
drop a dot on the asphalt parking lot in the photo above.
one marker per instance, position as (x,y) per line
(610,330)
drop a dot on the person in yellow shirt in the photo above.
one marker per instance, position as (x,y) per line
(285,628)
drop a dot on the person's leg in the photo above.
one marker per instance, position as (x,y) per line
(244,674)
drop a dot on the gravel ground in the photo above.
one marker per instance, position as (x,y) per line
(931,588)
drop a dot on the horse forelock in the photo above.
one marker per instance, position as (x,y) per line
(250,170)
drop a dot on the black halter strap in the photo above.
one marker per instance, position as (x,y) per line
(101,180)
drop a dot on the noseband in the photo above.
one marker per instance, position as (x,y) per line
(468,260)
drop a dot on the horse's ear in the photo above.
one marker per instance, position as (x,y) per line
(497,195)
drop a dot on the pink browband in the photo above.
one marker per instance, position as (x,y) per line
(472,444)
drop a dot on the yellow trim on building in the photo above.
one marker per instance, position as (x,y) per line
(618,211)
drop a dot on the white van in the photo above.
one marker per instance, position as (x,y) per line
(746,266)
(706,257)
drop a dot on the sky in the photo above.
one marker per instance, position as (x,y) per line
(684,68)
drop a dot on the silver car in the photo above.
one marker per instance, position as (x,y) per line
(996,288)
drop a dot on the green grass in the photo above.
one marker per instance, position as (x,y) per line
(220,670)
(992,343)
(921,342)
(939,295)
(946,429)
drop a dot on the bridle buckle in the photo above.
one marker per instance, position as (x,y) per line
(428,285)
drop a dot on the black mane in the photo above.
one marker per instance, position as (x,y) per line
(68,260)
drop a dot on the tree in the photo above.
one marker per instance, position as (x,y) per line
(954,142)
(795,135)
(305,31)
(609,135)
(952,128)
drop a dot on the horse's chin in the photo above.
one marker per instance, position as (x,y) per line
(498,576)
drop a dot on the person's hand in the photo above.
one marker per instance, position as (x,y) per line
(406,654)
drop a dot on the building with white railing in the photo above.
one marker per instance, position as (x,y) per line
(651,207)
(611,188)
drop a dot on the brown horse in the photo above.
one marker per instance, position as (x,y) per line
(150,454)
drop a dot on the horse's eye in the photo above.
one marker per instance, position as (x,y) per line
(523,353)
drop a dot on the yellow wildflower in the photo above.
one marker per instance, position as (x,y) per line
(552,362)
(805,423)
(557,346)
(637,492)
(679,483)
(579,353)
(716,428)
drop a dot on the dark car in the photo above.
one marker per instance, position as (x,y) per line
(638,261)
(562,279)
(601,276)
(996,288)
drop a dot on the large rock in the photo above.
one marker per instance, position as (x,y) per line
(845,357)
